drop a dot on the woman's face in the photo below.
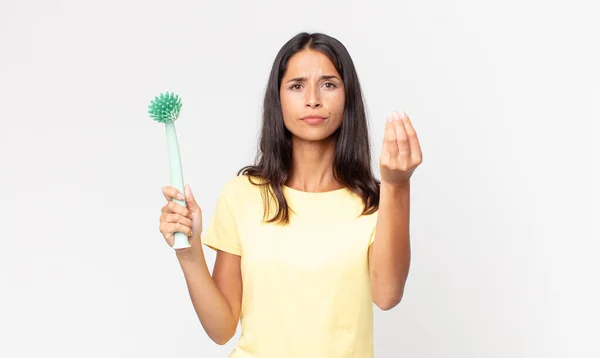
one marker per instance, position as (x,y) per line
(312,96)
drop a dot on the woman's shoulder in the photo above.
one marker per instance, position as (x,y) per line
(242,185)
(243,182)
(243,195)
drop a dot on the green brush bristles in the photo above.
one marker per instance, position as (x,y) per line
(165,108)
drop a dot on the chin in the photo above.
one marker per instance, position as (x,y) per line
(314,135)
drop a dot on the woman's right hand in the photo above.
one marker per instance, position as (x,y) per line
(176,218)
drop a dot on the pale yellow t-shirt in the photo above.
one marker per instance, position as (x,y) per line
(306,291)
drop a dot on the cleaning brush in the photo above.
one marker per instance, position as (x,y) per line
(165,109)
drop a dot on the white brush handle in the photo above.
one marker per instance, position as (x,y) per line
(181,240)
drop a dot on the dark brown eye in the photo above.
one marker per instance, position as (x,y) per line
(295,86)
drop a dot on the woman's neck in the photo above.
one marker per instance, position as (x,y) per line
(312,166)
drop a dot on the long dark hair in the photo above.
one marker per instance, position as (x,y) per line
(352,158)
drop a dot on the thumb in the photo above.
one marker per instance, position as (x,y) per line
(189,197)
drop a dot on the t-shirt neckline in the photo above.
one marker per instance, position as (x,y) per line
(314,193)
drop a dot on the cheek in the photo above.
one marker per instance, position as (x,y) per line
(284,105)
(338,107)
(287,100)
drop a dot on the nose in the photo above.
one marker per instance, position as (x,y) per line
(313,100)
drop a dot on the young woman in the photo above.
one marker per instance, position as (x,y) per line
(306,239)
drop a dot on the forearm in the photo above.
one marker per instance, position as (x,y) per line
(210,304)
(391,248)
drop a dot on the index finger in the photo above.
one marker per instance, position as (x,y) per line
(170,193)
(390,146)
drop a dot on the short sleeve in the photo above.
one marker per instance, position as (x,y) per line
(221,233)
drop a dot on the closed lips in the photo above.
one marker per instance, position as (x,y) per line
(313,117)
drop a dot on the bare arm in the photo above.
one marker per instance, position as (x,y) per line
(217,300)
(389,254)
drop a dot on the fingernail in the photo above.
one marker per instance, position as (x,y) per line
(179,196)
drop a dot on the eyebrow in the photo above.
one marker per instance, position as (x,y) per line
(303,79)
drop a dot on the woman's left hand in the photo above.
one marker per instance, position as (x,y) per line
(401,152)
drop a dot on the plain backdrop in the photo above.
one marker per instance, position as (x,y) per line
(504,223)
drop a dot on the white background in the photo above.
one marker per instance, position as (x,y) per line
(504,97)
